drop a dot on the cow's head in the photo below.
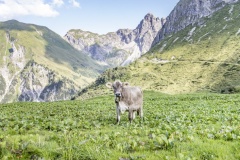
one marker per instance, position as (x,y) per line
(117,88)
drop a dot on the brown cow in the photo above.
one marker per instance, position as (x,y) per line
(127,98)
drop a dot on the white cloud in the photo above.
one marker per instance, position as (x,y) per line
(14,8)
(74,3)
(58,3)
(44,8)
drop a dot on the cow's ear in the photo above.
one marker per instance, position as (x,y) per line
(109,85)
(126,84)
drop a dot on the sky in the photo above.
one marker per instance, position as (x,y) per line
(98,16)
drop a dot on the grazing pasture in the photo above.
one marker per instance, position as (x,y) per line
(190,126)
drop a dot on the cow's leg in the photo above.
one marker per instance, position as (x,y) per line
(133,115)
(130,116)
(141,113)
(118,115)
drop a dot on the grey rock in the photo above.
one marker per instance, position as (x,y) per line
(39,84)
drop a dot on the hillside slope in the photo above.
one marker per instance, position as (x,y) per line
(117,48)
(204,56)
(36,64)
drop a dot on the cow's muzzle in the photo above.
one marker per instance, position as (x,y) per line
(117,97)
(118,94)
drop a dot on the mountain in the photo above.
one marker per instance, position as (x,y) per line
(36,64)
(117,48)
(188,12)
(202,57)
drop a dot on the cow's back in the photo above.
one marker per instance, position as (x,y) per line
(132,95)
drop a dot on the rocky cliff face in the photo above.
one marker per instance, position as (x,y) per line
(38,83)
(189,12)
(117,48)
(23,80)
(13,62)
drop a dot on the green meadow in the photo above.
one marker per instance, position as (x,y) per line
(200,126)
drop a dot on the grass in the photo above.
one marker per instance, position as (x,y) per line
(189,126)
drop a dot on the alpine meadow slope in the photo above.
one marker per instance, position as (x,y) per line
(38,65)
(202,57)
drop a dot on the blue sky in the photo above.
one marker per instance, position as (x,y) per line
(99,16)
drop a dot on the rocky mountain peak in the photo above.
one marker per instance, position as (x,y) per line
(150,22)
(187,12)
(149,17)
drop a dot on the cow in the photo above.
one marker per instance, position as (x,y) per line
(127,98)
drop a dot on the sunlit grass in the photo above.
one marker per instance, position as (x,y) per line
(196,126)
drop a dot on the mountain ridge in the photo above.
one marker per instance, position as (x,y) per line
(183,15)
(39,65)
(120,47)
